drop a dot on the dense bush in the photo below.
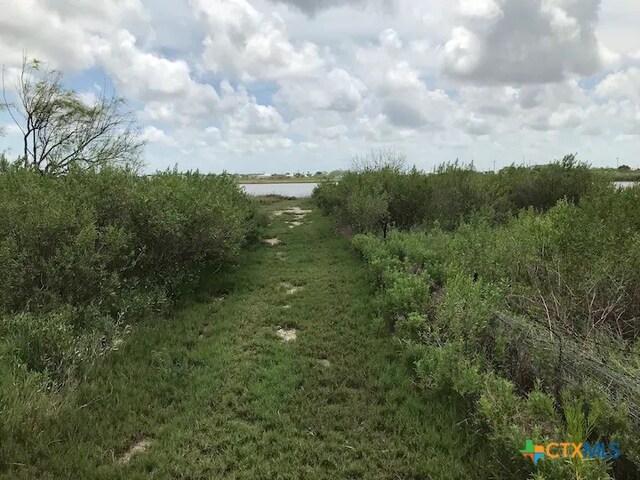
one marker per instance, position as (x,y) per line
(541,187)
(367,201)
(84,255)
(379,197)
(78,239)
(534,323)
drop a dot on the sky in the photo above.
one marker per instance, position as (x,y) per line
(304,85)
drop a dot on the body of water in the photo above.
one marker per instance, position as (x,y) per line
(298,190)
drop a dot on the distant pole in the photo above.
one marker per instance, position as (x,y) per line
(617,162)
(494,166)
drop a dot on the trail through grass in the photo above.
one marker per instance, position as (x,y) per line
(216,392)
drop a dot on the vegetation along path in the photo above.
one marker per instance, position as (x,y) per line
(285,374)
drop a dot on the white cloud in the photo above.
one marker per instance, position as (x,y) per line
(490,100)
(153,134)
(570,117)
(64,33)
(389,39)
(524,41)
(483,9)
(166,87)
(89,97)
(618,26)
(245,43)
(624,84)
(398,78)
(404,114)
(336,90)
(147,76)
(402,96)
(313,6)
(375,129)
(475,125)
(255,119)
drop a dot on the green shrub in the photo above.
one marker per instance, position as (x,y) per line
(84,254)
(457,192)
(381,196)
(368,211)
(532,323)
(403,294)
(541,187)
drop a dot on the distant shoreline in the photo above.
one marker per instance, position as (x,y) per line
(267,181)
(613,174)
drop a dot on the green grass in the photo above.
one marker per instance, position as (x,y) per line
(219,395)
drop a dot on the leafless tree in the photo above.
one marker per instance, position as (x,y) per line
(62,132)
(385,158)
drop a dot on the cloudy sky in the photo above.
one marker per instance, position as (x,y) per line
(302,85)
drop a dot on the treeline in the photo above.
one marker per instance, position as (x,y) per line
(516,294)
(383,194)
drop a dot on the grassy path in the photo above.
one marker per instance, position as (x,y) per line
(215,393)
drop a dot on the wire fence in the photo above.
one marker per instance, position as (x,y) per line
(564,359)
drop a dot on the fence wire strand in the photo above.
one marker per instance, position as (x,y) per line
(577,361)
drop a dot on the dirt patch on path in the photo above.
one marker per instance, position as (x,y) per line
(138,447)
(287,335)
(297,212)
(291,289)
